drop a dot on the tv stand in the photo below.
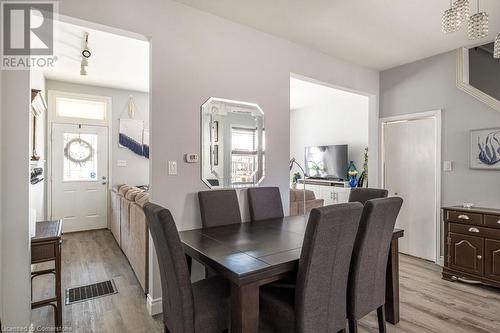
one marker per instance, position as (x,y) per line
(331,191)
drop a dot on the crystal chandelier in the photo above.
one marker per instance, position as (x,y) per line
(462,8)
(451,20)
(478,24)
(496,52)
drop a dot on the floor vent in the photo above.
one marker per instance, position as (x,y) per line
(84,293)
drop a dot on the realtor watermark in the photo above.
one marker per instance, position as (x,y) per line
(27,38)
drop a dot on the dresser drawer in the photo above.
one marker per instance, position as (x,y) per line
(492,221)
(473,230)
(464,217)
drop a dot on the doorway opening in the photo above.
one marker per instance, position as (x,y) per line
(330,134)
(89,138)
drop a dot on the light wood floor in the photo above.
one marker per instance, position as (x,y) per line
(428,303)
(89,257)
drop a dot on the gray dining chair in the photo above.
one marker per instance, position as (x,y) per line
(219,207)
(318,301)
(360,194)
(367,276)
(187,308)
(265,203)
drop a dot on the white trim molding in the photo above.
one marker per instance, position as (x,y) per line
(154,306)
(463,81)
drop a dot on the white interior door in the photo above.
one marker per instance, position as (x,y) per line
(410,171)
(79,176)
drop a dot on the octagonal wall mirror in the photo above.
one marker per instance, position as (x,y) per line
(478,72)
(232,143)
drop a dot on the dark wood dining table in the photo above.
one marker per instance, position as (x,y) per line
(253,254)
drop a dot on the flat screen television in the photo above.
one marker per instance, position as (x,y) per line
(326,162)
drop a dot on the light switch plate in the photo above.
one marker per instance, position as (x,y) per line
(121,163)
(447,166)
(172,168)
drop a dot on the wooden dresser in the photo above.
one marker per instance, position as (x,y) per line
(472,245)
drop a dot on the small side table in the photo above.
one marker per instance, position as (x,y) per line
(46,246)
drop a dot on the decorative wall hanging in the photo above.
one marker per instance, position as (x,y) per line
(485,149)
(132,134)
(145,143)
(78,151)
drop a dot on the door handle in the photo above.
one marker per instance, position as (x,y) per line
(104,183)
(476,230)
(479,257)
(464,217)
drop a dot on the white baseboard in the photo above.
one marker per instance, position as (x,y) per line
(154,306)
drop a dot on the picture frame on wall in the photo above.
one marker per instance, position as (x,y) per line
(485,149)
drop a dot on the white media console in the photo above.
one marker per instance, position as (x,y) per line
(332,192)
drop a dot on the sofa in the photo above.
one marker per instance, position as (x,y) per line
(297,201)
(129,228)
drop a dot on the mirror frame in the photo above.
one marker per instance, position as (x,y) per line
(463,80)
(202,155)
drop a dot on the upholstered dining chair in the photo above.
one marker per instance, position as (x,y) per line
(360,194)
(318,301)
(201,307)
(219,207)
(265,203)
(367,275)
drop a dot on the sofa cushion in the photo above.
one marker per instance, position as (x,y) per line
(142,198)
(132,193)
(124,189)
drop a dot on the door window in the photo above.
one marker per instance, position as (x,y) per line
(80,157)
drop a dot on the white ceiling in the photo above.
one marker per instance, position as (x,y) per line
(378,34)
(117,61)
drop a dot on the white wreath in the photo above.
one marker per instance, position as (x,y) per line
(79,159)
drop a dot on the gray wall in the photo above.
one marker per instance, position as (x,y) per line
(430,84)
(15,251)
(484,72)
(137,170)
(192,59)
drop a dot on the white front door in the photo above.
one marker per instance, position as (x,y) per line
(79,176)
(410,171)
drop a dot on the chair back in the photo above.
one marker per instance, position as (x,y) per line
(359,194)
(177,293)
(320,299)
(219,207)
(265,203)
(367,276)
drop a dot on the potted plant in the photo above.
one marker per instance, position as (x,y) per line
(295,179)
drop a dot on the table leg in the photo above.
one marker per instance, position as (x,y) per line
(392,284)
(58,287)
(245,308)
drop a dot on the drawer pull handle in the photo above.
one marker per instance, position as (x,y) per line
(463,217)
(474,230)
(479,257)
(498,222)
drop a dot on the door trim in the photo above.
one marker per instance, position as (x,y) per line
(52,94)
(436,114)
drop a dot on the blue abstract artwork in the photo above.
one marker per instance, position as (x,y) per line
(485,149)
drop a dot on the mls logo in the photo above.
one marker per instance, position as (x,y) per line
(27,32)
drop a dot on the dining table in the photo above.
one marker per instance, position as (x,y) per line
(253,254)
